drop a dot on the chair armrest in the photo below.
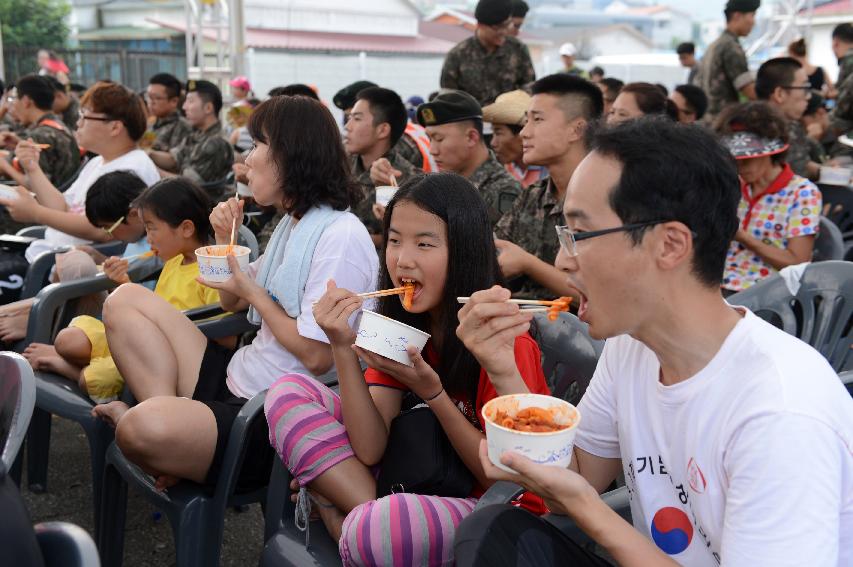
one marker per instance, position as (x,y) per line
(501,492)
(616,499)
(16,243)
(847,380)
(62,543)
(36,231)
(278,505)
(52,298)
(204,312)
(228,326)
(36,277)
(235,450)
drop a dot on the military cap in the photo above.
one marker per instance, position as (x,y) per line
(345,98)
(744,6)
(202,86)
(493,12)
(509,108)
(449,106)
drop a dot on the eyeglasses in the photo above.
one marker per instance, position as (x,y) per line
(807,89)
(115,225)
(569,238)
(83,116)
(503,26)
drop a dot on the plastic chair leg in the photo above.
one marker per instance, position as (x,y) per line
(17,469)
(99,435)
(111,518)
(193,535)
(38,450)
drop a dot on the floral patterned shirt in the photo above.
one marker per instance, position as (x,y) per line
(789,208)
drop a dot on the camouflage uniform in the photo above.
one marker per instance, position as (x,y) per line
(364,209)
(469,67)
(530,224)
(204,156)
(72,115)
(170,132)
(498,188)
(798,148)
(842,116)
(408,149)
(723,71)
(62,159)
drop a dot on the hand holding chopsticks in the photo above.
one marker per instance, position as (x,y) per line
(551,307)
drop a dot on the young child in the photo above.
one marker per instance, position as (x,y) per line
(437,234)
(174,214)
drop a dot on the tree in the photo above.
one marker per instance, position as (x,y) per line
(34,23)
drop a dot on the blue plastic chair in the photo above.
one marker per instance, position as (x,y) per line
(821,313)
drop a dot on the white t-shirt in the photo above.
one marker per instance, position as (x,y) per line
(136,161)
(749,462)
(344,253)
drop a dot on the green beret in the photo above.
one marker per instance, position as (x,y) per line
(202,86)
(345,98)
(449,106)
(493,12)
(743,6)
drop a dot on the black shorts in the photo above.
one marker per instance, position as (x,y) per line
(212,391)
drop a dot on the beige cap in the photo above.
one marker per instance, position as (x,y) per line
(509,108)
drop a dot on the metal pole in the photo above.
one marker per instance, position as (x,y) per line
(2,59)
(237,37)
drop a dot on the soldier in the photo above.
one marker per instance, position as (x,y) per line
(519,13)
(489,63)
(784,84)
(454,123)
(31,107)
(723,72)
(842,46)
(507,115)
(65,106)
(560,111)
(375,125)
(170,129)
(204,156)
(413,145)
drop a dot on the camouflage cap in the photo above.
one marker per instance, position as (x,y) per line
(509,108)
(449,106)
(744,6)
(345,98)
(493,12)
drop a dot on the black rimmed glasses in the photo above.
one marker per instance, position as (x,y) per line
(569,238)
(807,89)
(83,116)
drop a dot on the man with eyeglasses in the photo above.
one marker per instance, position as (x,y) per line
(733,437)
(170,129)
(723,71)
(519,13)
(784,84)
(491,62)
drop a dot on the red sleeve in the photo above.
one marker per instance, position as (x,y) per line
(374,377)
(529,361)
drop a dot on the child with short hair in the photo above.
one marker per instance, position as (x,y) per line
(174,214)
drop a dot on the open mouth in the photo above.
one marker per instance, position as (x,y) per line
(583,306)
(417,287)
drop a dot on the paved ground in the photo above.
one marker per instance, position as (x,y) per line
(148,542)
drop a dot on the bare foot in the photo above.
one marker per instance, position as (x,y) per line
(36,351)
(44,358)
(14,327)
(332,518)
(111,412)
(165,481)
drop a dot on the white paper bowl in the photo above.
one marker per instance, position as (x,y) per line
(553,448)
(835,176)
(384,194)
(213,263)
(8,192)
(387,337)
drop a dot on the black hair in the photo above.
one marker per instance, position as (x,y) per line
(687,47)
(519,8)
(176,199)
(472,265)
(797,48)
(757,117)
(844,32)
(296,89)
(596,71)
(816,102)
(37,89)
(54,82)
(775,73)
(210,94)
(675,172)
(514,128)
(614,86)
(695,97)
(585,93)
(312,165)
(651,99)
(386,106)
(77,88)
(170,82)
(111,196)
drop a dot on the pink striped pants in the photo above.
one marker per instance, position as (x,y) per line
(307,431)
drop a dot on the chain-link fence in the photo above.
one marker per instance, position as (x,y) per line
(130,67)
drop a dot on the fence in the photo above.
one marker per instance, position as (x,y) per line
(132,68)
